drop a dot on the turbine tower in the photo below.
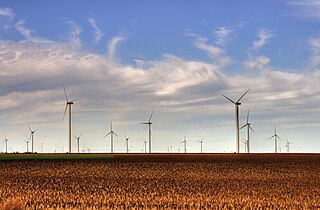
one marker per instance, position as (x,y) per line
(78,142)
(184,143)
(149,123)
(237,104)
(6,142)
(111,133)
(68,105)
(201,144)
(275,136)
(248,125)
(31,136)
(127,142)
(288,146)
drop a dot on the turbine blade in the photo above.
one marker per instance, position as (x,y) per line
(251,129)
(243,95)
(29,128)
(248,117)
(115,134)
(271,137)
(150,116)
(74,100)
(145,123)
(243,126)
(35,130)
(65,93)
(279,137)
(64,114)
(229,99)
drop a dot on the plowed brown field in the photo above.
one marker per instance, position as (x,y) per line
(166,181)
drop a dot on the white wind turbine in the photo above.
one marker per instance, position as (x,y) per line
(237,104)
(68,105)
(78,142)
(149,123)
(111,133)
(6,142)
(245,145)
(127,142)
(201,142)
(145,145)
(248,125)
(27,141)
(275,136)
(287,146)
(31,136)
(184,143)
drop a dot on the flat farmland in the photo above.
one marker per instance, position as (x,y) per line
(163,181)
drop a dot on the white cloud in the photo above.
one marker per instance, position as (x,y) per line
(315,47)
(112,47)
(75,32)
(7,12)
(98,33)
(264,36)
(23,30)
(306,8)
(223,35)
(259,63)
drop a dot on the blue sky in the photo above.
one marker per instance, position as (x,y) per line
(122,59)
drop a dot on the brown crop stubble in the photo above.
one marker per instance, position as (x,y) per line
(255,181)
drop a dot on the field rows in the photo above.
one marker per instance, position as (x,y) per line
(164,182)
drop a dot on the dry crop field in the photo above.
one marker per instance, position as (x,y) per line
(165,181)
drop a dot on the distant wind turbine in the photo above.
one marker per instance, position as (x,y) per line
(237,104)
(201,144)
(31,136)
(288,145)
(248,125)
(111,133)
(78,142)
(184,143)
(6,142)
(245,145)
(127,142)
(68,104)
(149,123)
(145,145)
(27,141)
(275,136)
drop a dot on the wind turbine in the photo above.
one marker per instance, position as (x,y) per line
(145,145)
(6,142)
(248,125)
(275,136)
(288,146)
(68,105)
(111,133)
(201,143)
(184,143)
(27,141)
(78,141)
(237,104)
(149,123)
(31,136)
(127,142)
(245,145)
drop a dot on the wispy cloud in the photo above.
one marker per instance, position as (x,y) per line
(112,47)
(75,32)
(223,35)
(7,12)
(97,32)
(216,53)
(264,36)
(23,30)
(257,63)
(306,8)
(315,47)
